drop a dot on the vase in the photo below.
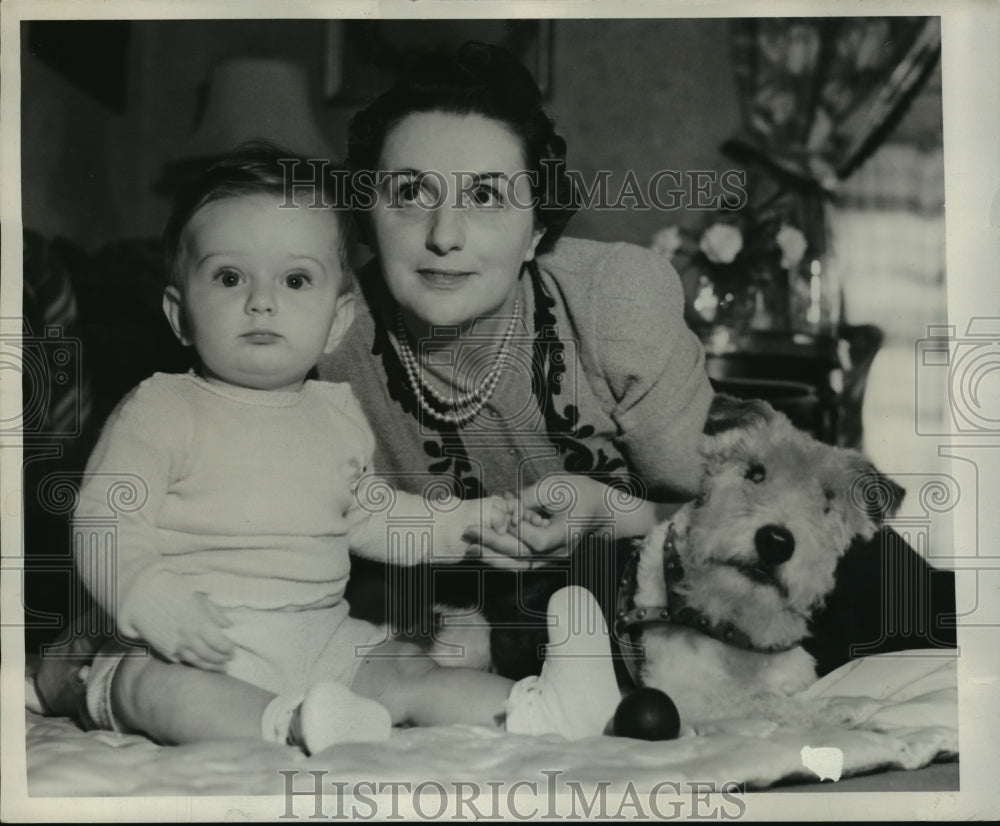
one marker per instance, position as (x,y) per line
(814,299)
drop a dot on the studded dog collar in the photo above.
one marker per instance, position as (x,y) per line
(630,620)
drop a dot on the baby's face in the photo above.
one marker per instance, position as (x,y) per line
(262,291)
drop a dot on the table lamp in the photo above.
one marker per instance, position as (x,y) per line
(250,99)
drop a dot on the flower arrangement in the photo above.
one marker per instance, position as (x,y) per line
(741,271)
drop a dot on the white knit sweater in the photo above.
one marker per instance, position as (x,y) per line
(244,495)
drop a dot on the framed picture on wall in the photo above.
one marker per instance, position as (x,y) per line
(364,57)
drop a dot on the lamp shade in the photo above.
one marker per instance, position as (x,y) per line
(251,99)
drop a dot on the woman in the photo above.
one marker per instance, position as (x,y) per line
(489,351)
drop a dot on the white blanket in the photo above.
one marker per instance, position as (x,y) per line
(904,707)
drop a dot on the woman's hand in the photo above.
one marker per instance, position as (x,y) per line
(543,517)
(537,526)
(486,532)
(544,511)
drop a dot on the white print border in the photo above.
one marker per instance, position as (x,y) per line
(971,81)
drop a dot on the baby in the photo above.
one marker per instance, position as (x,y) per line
(232,560)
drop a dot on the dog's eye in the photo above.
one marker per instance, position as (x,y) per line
(829,495)
(755,473)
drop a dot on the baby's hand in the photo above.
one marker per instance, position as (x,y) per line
(506,515)
(518,514)
(486,525)
(189,631)
(499,512)
(477,516)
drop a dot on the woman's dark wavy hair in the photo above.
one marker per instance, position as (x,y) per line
(480,79)
(254,168)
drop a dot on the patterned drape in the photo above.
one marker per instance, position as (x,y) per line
(819,95)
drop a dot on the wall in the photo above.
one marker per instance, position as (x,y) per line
(639,94)
(644,95)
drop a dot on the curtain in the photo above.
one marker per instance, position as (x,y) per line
(819,95)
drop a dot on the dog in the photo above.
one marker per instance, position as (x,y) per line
(716,604)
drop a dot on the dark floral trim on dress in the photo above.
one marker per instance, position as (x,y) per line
(564,429)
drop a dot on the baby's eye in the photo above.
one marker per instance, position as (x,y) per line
(228,277)
(755,473)
(297,280)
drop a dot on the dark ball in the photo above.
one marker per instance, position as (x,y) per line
(647,714)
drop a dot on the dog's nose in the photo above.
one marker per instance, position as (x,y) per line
(774,544)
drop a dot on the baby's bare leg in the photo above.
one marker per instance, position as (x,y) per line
(179,704)
(575,695)
(417,690)
(174,703)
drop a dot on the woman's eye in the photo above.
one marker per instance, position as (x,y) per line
(487,196)
(228,278)
(414,191)
(297,280)
(755,473)
(408,191)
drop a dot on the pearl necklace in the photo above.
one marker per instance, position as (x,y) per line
(466,406)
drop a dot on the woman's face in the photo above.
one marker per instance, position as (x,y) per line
(453,222)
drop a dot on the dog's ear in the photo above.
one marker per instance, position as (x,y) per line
(875,493)
(730,413)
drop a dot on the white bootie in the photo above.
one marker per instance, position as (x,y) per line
(328,714)
(577,693)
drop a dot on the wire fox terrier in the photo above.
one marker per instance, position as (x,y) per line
(722,596)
